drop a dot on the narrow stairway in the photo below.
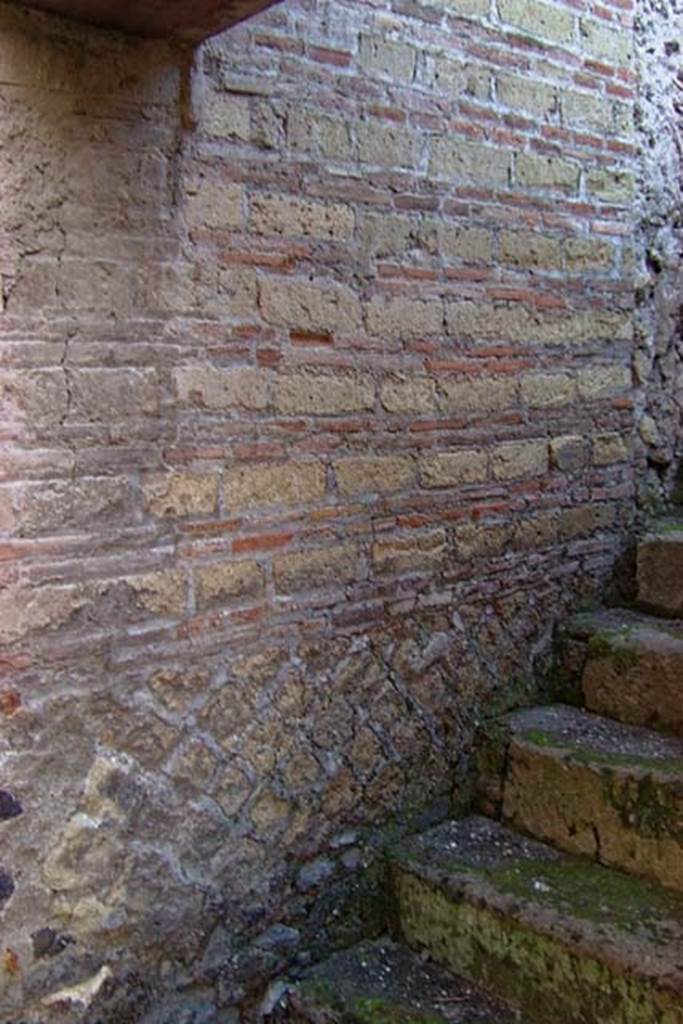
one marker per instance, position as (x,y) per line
(564,904)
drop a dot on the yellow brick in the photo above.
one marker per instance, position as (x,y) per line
(180,494)
(546,20)
(420,552)
(218,388)
(216,205)
(458,79)
(542,390)
(386,145)
(312,570)
(385,58)
(588,254)
(162,593)
(408,393)
(310,306)
(227,581)
(324,393)
(604,381)
(520,458)
(400,318)
(288,215)
(612,447)
(475,395)
(374,473)
(530,249)
(288,483)
(451,243)
(318,134)
(605,43)
(524,94)
(551,172)
(225,116)
(469,162)
(448,469)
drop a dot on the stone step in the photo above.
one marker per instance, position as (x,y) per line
(659,570)
(631,667)
(383,982)
(564,939)
(590,785)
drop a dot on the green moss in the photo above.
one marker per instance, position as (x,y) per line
(535,971)
(609,644)
(588,756)
(381,1011)
(350,1008)
(587,891)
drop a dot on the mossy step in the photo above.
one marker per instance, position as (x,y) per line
(659,570)
(593,786)
(633,667)
(383,982)
(566,940)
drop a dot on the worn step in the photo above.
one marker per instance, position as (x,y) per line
(566,940)
(660,568)
(632,667)
(590,785)
(384,982)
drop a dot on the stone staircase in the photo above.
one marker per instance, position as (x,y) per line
(562,902)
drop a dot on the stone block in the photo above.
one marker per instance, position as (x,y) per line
(226,581)
(399,318)
(318,134)
(533,97)
(218,388)
(408,393)
(547,172)
(515,459)
(609,448)
(289,215)
(306,306)
(385,58)
(584,254)
(454,243)
(386,144)
(374,473)
(108,395)
(530,249)
(317,568)
(218,205)
(603,381)
(450,469)
(568,453)
(549,21)
(420,552)
(475,395)
(324,393)
(611,186)
(269,483)
(604,43)
(180,494)
(470,163)
(542,390)
(225,116)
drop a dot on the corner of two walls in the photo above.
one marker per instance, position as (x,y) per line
(318,414)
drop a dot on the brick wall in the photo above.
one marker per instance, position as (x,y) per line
(318,413)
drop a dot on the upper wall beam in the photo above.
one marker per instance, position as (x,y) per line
(179,19)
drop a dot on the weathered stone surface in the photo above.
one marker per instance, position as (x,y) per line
(205,18)
(518,916)
(632,668)
(364,474)
(617,792)
(396,982)
(660,569)
(273,484)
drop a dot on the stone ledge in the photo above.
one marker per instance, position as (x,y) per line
(177,19)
